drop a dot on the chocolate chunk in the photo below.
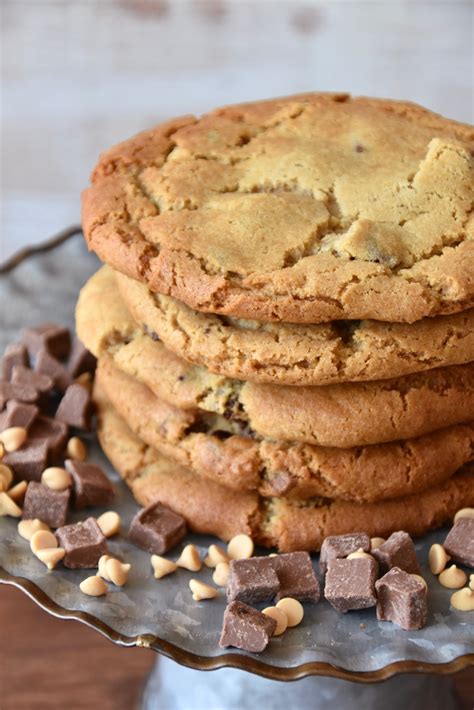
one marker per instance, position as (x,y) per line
(336,546)
(29,462)
(29,378)
(253,580)
(157,529)
(282,483)
(83,542)
(46,364)
(22,393)
(75,407)
(459,543)
(398,551)
(350,584)
(51,337)
(52,431)
(296,576)
(80,360)
(401,598)
(45,445)
(246,628)
(91,485)
(49,506)
(154,336)
(15,354)
(18,414)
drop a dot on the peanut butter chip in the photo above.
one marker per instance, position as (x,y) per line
(13,438)
(51,556)
(6,477)
(56,478)
(162,567)
(2,450)
(215,554)
(102,571)
(437,558)
(421,579)
(240,547)
(202,591)
(221,574)
(117,571)
(8,506)
(27,528)
(42,540)
(359,553)
(85,380)
(17,493)
(464,513)
(93,586)
(189,559)
(109,523)
(376,542)
(463,600)
(280,617)
(293,609)
(453,578)
(76,449)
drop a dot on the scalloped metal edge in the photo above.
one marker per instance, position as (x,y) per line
(230,660)
(186,658)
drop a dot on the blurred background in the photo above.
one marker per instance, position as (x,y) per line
(79,75)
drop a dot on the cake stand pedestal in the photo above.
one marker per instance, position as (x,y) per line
(174,687)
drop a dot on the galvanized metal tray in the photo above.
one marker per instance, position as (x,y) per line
(42,284)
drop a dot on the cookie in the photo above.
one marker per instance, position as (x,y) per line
(208,507)
(304,209)
(292,526)
(301,354)
(330,415)
(217,448)
(212,509)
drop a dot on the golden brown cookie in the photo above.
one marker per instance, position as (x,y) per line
(303,209)
(207,506)
(292,526)
(301,354)
(341,415)
(218,449)
(211,508)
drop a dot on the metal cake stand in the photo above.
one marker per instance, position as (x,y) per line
(333,657)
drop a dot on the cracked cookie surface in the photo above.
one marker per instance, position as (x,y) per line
(290,526)
(306,209)
(341,415)
(212,509)
(293,354)
(215,448)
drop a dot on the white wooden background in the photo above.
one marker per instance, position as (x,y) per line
(79,75)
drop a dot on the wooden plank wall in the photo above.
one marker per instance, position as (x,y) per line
(78,75)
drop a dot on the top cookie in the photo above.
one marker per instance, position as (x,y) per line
(304,209)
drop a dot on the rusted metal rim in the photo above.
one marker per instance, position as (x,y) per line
(231,660)
(49,244)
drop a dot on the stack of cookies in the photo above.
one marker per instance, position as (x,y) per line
(285,321)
